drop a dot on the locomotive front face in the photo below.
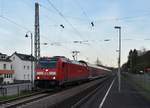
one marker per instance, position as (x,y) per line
(47,69)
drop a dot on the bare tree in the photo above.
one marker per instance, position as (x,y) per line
(98,62)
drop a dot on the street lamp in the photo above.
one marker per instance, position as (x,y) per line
(31,36)
(119,58)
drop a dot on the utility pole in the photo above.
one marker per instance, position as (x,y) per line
(119,59)
(37,34)
(131,67)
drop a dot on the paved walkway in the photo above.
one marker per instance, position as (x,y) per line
(127,98)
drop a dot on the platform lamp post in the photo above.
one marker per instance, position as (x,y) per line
(119,58)
(31,36)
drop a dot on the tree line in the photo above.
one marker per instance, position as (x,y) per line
(137,61)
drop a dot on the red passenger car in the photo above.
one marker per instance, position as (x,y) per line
(59,70)
(97,71)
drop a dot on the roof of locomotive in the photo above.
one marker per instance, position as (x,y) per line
(64,59)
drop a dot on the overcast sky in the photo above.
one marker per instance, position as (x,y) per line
(17,17)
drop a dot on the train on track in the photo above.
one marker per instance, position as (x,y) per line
(59,70)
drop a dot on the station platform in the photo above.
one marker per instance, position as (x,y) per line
(128,97)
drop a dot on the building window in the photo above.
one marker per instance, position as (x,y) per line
(24,76)
(28,67)
(24,67)
(4,66)
(11,67)
(10,75)
(13,58)
(5,75)
(1,75)
(28,77)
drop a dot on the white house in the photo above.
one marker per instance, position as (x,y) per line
(22,66)
(6,70)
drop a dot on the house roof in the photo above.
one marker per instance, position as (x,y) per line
(5,60)
(4,57)
(25,57)
(2,54)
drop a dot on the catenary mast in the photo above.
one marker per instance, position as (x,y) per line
(37,33)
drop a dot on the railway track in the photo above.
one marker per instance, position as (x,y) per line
(17,102)
(13,103)
(20,101)
(20,97)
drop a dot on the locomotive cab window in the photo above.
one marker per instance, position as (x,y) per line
(47,64)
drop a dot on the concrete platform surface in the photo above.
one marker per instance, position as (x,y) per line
(129,97)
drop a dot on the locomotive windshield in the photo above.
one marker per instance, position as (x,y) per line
(50,63)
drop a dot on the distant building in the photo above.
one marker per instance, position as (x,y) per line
(6,70)
(22,66)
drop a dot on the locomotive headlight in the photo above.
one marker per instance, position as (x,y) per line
(38,77)
(52,73)
(54,77)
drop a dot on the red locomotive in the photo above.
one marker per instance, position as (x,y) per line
(59,70)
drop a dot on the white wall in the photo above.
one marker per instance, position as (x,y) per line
(21,72)
(8,65)
(16,67)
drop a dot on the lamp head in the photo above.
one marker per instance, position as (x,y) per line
(117,27)
(107,40)
(26,35)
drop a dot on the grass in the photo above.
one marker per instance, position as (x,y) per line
(140,85)
(23,93)
(145,86)
(2,98)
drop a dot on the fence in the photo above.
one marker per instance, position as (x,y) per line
(141,81)
(14,89)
